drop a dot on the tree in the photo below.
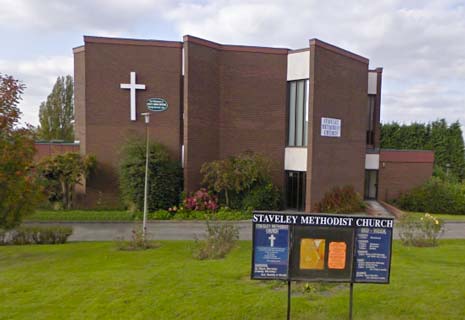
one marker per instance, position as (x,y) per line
(56,114)
(18,188)
(446,141)
(66,170)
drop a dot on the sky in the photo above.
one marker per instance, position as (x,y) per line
(420,44)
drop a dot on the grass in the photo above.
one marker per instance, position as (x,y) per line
(96,281)
(81,215)
(121,215)
(445,217)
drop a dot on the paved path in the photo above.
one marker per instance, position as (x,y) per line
(182,230)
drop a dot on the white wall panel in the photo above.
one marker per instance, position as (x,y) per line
(372,161)
(295,159)
(298,65)
(372,82)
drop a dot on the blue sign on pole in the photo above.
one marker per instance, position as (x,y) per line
(271,251)
(372,254)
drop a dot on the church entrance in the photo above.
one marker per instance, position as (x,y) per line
(371,184)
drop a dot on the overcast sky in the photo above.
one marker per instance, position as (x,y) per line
(420,44)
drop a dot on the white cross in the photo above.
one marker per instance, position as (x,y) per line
(272,239)
(132,87)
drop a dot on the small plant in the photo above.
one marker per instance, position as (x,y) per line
(340,200)
(420,232)
(137,242)
(221,238)
(39,235)
(201,200)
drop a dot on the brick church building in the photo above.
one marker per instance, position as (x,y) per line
(315,112)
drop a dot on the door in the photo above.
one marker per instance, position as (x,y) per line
(371,184)
(295,190)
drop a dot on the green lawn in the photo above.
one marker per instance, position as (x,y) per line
(445,217)
(122,215)
(95,281)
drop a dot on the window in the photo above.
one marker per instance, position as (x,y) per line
(371,119)
(295,190)
(298,113)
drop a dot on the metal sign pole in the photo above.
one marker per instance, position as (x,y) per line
(288,299)
(351,299)
(144,221)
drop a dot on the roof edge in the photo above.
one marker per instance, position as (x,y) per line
(79,49)
(318,43)
(229,47)
(136,42)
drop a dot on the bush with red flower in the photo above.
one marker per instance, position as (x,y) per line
(201,200)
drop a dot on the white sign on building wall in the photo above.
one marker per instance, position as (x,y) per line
(330,127)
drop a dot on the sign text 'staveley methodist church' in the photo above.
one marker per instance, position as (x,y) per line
(322,220)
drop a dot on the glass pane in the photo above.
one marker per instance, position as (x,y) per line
(306,112)
(291,133)
(371,110)
(299,114)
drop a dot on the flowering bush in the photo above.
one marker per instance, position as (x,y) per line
(201,200)
(420,232)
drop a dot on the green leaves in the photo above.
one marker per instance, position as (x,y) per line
(66,170)
(56,115)
(446,141)
(236,176)
(165,176)
(18,188)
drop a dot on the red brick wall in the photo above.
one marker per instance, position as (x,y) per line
(234,101)
(106,120)
(253,106)
(44,150)
(338,89)
(201,110)
(401,171)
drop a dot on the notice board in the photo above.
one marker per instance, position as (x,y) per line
(320,247)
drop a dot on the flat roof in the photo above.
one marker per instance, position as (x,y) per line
(216,45)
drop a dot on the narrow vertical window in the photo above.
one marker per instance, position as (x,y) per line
(298,113)
(371,115)
(292,94)
(306,112)
(299,118)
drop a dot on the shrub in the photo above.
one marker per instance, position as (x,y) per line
(158,215)
(263,197)
(221,238)
(435,196)
(420,231)
(137,241)
(2,236)
(340,200)
(201,200)
(165,176)
(182,214)
(228,214)
(40,235)
(234,178)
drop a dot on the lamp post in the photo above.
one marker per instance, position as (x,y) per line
(144,221)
